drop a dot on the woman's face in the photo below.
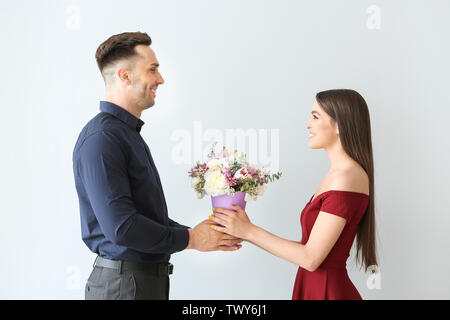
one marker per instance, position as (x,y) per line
(323,131)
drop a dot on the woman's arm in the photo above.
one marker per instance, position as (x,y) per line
(289,250)
(324,234)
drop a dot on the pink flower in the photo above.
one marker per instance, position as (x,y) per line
(193,172)
(252,172)
(229,177)
(241,174)
(224,153)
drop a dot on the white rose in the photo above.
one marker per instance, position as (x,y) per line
(213,164)
(215,183)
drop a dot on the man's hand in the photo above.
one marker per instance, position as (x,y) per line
(204,238)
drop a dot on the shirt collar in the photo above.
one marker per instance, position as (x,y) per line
(122,114)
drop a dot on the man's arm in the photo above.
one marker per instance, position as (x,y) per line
(103,171)
(177,225)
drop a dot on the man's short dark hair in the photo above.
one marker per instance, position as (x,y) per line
(120,46)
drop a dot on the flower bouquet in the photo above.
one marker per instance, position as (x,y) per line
(229,179)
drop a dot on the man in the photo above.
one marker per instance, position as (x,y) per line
(123,211)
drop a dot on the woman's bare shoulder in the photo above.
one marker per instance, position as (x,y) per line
(352,179)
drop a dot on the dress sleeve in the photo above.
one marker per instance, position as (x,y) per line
(342,204)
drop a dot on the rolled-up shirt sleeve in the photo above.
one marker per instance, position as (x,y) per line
(102,166)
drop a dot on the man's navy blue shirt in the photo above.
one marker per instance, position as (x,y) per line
(122,205)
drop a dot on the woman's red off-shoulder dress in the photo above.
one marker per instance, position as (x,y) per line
(330,280)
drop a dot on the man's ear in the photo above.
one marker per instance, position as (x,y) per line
(123,75)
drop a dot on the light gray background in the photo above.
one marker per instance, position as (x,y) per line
(230,64)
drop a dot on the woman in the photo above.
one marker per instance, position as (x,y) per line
(341,208)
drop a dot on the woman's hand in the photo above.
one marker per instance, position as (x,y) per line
(235,223)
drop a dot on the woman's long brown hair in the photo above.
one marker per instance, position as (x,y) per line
(349,110)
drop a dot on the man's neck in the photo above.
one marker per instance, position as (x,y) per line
(124,104)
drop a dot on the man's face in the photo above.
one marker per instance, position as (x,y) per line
(145,77)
